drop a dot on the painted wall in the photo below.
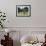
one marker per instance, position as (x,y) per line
(38,13)
(37,21)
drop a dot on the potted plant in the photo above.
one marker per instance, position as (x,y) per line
(2,19)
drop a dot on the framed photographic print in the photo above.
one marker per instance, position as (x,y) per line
(23,10)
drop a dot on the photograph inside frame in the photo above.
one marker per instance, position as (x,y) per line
(23,10)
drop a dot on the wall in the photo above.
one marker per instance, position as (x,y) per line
(37,21)
(38,13)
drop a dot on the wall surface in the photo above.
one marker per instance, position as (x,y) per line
(37,21)
(38,13)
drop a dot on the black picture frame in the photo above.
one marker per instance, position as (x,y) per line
(23,10)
